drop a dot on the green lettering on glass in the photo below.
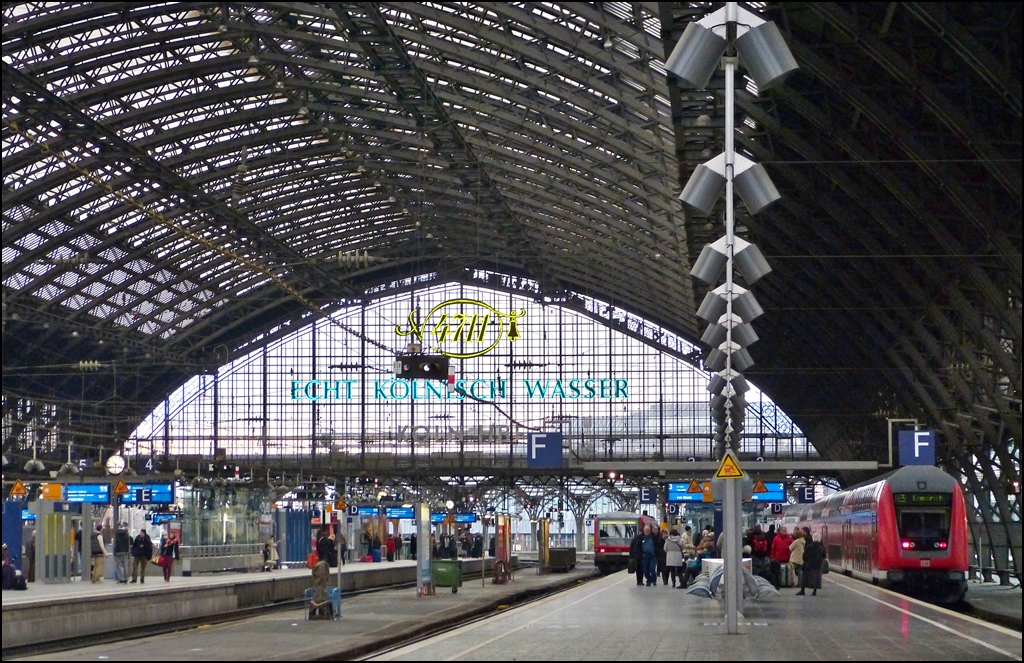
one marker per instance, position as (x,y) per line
(296,390)
(620,388)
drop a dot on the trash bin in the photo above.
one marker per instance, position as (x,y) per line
(376,554)
(447,573)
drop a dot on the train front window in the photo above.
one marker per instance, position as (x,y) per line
(616,534)
(923,523)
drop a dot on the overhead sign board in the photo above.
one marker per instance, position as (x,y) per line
(768,491)
(399,513)
(365,511)
(544,450)
(88,493)
(917,447)
(465,518)
(648,496)
(689,491)
(437,518)
(805,494)
(152,493)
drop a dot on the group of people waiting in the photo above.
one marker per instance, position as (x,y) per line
(131,554)
(775,556)
(784,558)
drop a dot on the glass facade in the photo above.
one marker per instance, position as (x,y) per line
(326,394)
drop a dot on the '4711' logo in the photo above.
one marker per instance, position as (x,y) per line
(463,328)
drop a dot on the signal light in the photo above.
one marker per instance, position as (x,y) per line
(425,367)
(909,545)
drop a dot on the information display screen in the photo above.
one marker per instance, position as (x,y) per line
(437,518)
(88,493)
(28,516)
(937,499)
(161,518)
(152,493)
(368,511)
(399,513)
(465,518)
(776,492)
(679,492)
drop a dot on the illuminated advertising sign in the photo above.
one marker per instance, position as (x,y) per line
(153,493)
(89,493)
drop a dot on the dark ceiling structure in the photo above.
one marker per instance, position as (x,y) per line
(186,181)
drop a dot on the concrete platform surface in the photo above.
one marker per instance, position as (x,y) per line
(369,623)
(995,602)
(613,619)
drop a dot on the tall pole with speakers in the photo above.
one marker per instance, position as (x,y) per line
(725,37)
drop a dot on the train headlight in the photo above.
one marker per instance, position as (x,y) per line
(909,545)
(941,545)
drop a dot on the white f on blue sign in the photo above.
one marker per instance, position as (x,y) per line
(917,447)
(544,450)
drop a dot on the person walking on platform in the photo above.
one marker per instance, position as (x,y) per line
(168,553)
(636,557)
(796,554)
(674,556)
(390,548)
(366,541)
(814,558)
(142,552)
(649,549)
(80,566)
(324,547)
(342,544)
(122,553)
(99,553)
(689,548)
(30,558)
(413,552)
(662,565)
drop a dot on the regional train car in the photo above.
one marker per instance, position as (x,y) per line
(906,530)
(613,532)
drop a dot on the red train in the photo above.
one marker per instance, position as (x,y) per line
(613,532)
(906,530)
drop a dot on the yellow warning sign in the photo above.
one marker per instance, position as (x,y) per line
(51,491)
(19,490)
(730,469)
(339,505)
(759,487)
(694,487)
(120,488)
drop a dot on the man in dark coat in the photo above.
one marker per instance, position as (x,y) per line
(636,556)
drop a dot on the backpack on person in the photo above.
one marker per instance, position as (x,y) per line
(759,547)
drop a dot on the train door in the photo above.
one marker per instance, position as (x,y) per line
(849,557)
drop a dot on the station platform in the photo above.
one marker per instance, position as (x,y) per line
(609,618)
(369,623)
(46,613)
(996,603)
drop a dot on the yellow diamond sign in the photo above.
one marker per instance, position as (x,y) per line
(730,468)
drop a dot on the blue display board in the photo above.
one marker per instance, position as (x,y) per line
(437,518)
(399,513)
(88,493)
(776,493)
(153,493)
(28,516)
(677,492)
(161,518)
(465,518)
(368,511)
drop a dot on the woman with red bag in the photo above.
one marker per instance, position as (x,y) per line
(168,553)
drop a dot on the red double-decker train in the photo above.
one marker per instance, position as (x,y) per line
(613,532)
(906,530)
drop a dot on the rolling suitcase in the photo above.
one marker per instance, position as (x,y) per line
(786,575)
